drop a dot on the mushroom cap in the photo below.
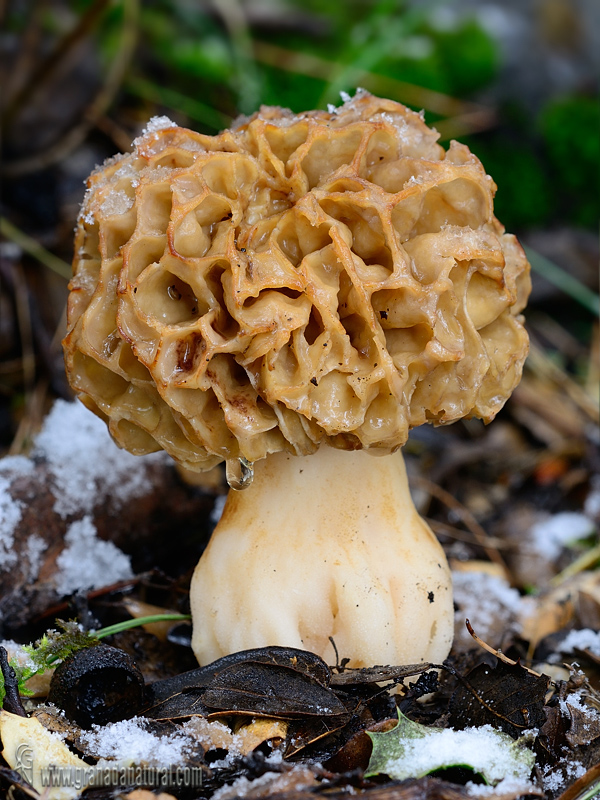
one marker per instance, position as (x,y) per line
(328,277)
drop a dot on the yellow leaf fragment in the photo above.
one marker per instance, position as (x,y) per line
(252,734)
(36,754)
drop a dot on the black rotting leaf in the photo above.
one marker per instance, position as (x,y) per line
(289,657)
(553,735)
(15,786)
(316,732)
(270,690)
(12,701)
(506,696)
(185,695)
(180,705)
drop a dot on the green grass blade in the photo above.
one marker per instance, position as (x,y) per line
(34,249)
(563,280)
(170,98)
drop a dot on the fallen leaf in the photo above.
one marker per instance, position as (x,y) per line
(507,696)
(585,721)
(551,611)
(411,750)
(214,735)
(369,675)
(253,734)
(139,609)
(355,754)
(553,734)
(30,750)
(290,783)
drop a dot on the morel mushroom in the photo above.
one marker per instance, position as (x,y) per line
(297,293)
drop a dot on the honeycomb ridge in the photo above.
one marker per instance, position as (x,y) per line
(329,277)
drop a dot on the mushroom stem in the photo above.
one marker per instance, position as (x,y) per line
(328,545)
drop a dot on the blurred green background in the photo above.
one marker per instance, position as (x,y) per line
(516,80)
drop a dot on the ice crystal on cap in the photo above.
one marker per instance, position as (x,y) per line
(331,277)
(158,124)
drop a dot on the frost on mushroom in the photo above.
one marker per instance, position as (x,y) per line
(330,278)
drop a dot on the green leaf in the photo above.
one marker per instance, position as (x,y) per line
(411,750)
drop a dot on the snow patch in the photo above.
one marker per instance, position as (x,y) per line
(10,510)
(481,748)
(484,599)
(87,561)
(130,742)
(556,779)
(15,466)
(550,536)
(508,787)
(269,783)
(34,551)
(85,465)
(10,516)
(576,701)
(583,639)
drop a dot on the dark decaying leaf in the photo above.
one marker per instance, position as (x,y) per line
(15,786)
(11,700)
(553,735)
(297,660)
(295,686)
(320,734)
(269,690)
(179,705)
(423,789)
(355,754)
(508,697)
(584,727)
(357,677)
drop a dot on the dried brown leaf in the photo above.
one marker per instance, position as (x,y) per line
(507,696)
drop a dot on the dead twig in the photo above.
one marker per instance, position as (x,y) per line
(463,536)
(48,66)
(34,249)
(541,365)
(498,653)
(465,515)
(316,67)
(96,109)
(585,788)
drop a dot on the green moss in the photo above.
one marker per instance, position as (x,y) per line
(525,197)
(570,128)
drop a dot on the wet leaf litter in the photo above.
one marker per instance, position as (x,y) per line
(278,720)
